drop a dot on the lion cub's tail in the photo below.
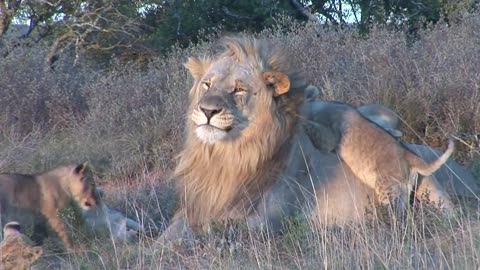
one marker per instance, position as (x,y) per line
(418,165)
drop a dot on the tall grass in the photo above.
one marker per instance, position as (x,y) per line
(128,122)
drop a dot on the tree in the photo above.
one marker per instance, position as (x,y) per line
(178,21)
(108,27)
(96,28)
(407,13)
(8,10)
(86,26)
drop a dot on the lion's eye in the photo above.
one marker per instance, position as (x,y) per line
(239,91)
(206,85)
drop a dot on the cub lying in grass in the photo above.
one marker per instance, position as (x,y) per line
(103,219)
(16,250)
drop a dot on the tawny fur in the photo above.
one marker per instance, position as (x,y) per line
(262,168)
(427,187)
(373,154)
(225,179)
(383,117)
(25,196)
(380,115)
(17,251)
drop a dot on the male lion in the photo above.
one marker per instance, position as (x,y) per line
(16,250)
(34,197)
(246,154)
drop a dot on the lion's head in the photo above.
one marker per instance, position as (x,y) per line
(243,109)
(235,91)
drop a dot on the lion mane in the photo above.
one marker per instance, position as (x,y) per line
(224,181)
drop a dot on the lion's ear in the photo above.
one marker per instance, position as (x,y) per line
(278,81)
(196,66)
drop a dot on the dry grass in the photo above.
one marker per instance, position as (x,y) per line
(129,123)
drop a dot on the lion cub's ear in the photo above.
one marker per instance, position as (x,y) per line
(197,67)
(11,228)
(278,81)
(80,169)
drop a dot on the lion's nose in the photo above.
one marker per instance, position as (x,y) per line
(209,113)
(212,105)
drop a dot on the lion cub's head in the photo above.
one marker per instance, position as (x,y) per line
(17,250)
(237,91)
(81,185)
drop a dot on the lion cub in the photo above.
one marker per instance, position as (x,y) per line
(32,196)
(373,154)
(382,116)
(16,250)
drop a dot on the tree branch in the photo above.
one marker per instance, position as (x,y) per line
(8,9)
(234,15)
(301,9)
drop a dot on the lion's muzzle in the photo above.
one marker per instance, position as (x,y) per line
(213,118)
(209,113)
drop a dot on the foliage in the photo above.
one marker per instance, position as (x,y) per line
(99,30)
(410,14)
(180,21)
(85,26)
